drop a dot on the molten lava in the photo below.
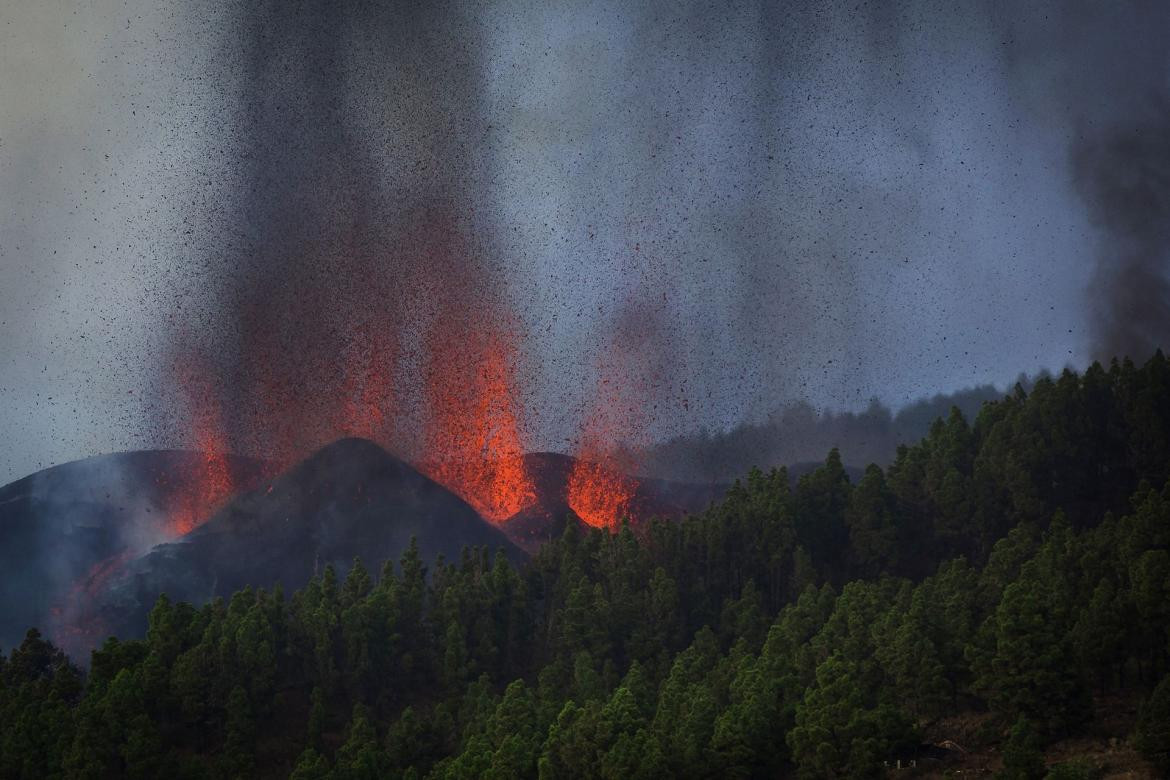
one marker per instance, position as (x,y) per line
(598,495)
(598,490)
(208,484)
(474,428)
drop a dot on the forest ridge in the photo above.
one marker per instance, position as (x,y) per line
(1016,566)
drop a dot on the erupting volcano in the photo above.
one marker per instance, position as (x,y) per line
(467,434)
(452,403)
(364,290)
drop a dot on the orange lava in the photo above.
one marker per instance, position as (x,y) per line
(600,496)
(208,487)
(209,483)
(629,381)
(599,490)
(474,438)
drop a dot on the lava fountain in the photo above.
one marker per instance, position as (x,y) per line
(598,491)
(473,440)
(209,483)
(633,383)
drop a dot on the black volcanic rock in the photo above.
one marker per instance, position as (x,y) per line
(534,526)
(349,499)
(63,526)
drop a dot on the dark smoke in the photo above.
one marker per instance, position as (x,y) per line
(1125,177)
(1103,70)
(779,189)
(349,225)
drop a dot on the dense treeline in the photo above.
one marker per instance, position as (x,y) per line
(1018,565)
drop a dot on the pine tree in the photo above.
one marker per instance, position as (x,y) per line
(874,539)
(311,765)
(239,742)
(361,758)
(1023,758)
(1152,737)
(841,729)
(1030,669)
(822,498)
(357,584)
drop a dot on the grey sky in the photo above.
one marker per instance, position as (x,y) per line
(823,203)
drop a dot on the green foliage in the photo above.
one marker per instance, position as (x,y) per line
(361,757)
(311,765)
(842,730)
(876,541)
(1023,758)
(1011,563)
(1028,667)
(1152,737)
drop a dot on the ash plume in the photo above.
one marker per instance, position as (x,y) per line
(807,204)
(346,231)
(1125,178)
(1102,71)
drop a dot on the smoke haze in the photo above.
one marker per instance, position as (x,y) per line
(687,215)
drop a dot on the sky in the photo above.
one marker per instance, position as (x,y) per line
(827,202)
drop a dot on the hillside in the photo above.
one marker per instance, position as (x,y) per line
(995,601)
(62,527)
(349,499)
